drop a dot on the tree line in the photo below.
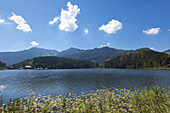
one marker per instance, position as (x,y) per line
(51,62)
(139,59)
(2,65)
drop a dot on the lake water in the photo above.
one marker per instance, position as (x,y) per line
(18,83)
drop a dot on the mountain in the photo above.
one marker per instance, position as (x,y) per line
(69,51)
(142,58)
(14,57)
(144,49)
(97,54)
(167,51)
(52,62)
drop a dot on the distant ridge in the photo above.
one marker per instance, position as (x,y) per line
(144,48)
(97,54)
(167,51)
(14,57)
(69,51)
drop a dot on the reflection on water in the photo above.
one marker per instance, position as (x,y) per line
(55,82)
(2,87)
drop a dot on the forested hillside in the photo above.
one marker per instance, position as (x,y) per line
(97,54)
(139,59)
(55,63)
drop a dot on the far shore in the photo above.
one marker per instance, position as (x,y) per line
(98,68)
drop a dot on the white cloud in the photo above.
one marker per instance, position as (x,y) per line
(86,31)
(68,18)
(105,45)
(112,27)
(152,48)
(34,43)
(2,21)
(22,24)
(52,22)
(152,31)
(168,29)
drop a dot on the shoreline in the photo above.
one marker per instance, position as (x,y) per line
(97,68)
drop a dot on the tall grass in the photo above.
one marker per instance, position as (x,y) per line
(154,100)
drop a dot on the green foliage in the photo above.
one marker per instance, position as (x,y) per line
(2,65)
(149,101)
(56,63)
(139,59)
(155,100)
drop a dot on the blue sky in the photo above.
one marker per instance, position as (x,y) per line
(124,24)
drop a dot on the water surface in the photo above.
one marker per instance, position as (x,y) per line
(18,83)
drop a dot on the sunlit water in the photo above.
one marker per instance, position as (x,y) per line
(18,83)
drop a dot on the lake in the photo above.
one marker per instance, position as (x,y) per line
(18,83)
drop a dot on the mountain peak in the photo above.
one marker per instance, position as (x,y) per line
(70,51)
(145,48)
(73,48)
(42,49)
(106,47)
(35,48)
(167,51)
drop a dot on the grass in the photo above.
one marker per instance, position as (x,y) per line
(160,68)
(154,100)
(3,68)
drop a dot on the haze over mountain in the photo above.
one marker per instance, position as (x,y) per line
(14,57)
